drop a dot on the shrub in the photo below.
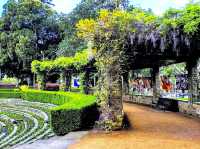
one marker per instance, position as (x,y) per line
(73,116)
(7,80)
(74,110)
(10,93)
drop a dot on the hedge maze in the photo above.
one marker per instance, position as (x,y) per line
(23,122)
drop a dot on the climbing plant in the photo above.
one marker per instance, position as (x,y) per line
(108,34)
(65,65)
(115,32)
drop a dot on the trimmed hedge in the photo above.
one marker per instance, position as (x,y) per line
(74,111)
(10,93)
(74,115)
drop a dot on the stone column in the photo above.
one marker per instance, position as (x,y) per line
(85,83)
(193,79)
(68,80)
(156,83)
(41,80)
(65,80)
(115,101)
(110,96)
(62,86)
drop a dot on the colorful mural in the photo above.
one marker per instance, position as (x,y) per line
(173,82)
(140,82)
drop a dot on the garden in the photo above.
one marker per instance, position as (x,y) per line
(72,72)
(43,114)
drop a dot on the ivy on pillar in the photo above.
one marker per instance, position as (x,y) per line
(193,79)
(110,96)
(68,80)
(62,86)
(41,80)
(85,81)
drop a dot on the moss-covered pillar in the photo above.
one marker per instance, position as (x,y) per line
(115,102)
(156,83)
(193,79)
(85,82)
(41,80)
(65,80)
(62,86)
(68,80)
(110,96)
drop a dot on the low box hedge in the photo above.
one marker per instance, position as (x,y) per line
(10,93)
(74,111)
(79,114)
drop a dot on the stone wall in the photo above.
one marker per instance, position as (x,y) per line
(189,108)
(184,107)
(146,100)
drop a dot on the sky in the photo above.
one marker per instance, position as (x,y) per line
(158,6)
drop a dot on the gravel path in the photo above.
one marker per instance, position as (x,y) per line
(151,129)
(57,142)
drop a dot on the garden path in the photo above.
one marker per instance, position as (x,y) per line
(56,142)
(151,129)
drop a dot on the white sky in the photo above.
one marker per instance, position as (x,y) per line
(158,6)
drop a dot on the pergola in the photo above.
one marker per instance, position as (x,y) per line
(81,63)
(151,50)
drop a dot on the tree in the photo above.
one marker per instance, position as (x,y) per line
(86,9)
(28,31)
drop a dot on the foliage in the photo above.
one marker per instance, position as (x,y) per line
(55,97)
(73,117)
(173,70)
(62,63)
(9,80)
(84,10)
(10,93)
(74,110)
(23,87)
(187,18)
(108,34)
(27,29)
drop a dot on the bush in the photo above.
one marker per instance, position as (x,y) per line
(74,110)
(10,93)
(73,116)
(54,97)
(7,80)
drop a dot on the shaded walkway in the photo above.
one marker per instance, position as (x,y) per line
(152,129)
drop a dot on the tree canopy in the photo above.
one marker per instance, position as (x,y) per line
(28,28)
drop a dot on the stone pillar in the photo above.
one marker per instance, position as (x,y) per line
(65,80)
(62,86)
(193,79)
(110,96)
(125,83)
(156,83)
(111,110)
(85,83)
(41,80)
(68,80)
(115,82)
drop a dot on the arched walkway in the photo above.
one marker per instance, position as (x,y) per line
(151,129)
